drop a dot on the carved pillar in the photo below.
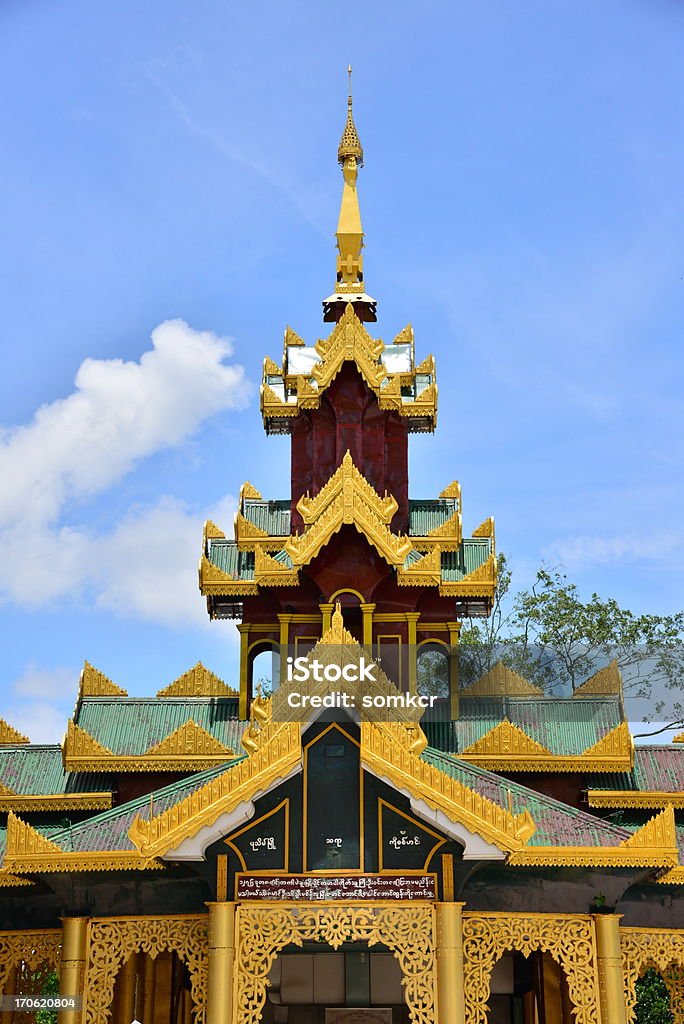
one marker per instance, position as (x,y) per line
(454,633)
(220,968)
(73,963)
(326,612)
(609,962)
(450,991)
(243,627)
(368,610)
(412,620)
(284,618)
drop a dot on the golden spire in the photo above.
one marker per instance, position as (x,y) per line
(350,144)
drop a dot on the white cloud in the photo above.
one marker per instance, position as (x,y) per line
(45,682)
(77,447)
(40,700)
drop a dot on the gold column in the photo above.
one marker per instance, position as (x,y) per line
(73,965)
(610,975)
(149,982)
(450,992)
(125,994)
(243,627)
(552,976)
(220,969)
(284,618)
(412,619)
(326,612)
(454,633)
(368,610)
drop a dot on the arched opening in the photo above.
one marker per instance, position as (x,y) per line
(350,602)
(654,996)
(433,676)
(263,667)
(157,989)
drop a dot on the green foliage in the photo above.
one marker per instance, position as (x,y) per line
(653,1001)
(50,987)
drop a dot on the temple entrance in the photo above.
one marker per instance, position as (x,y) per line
(319,985)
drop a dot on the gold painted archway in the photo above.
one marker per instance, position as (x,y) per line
(568,938)
(112,940)
(35,949)
(262,931)
(662,948)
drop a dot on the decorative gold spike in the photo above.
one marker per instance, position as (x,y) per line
(23,840)
(405,336)
(486,528)
(425,572)
(269,572)
(502,681)
(247,492)
(452,491)
(271,368)
(350,144)
(608,680)
(9,736)
(212,532)
(293,339)
(198,681)
(191,740)
(679,738)
(506,740)
(481,582)
(94,683)
(659,832)
(213,580)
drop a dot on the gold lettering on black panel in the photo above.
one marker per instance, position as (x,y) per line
(264,844)
(404,844)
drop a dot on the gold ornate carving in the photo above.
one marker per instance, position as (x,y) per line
(25,841)
(658,833)
(55,801)
(607,680)
(198,681)
(277,750)
(347,498)
(679,738)
(248,492)
(35,949)
(642,948)
(10,881)
(263,931)
(427,366)
(486,528)
(481,582)
(269,572)
(112,940)
(94,683)
(5,791)
(502,681)
(424,572)
(453,490)
(569,939)
(213,580)
(189,740)
(212,532)
(505,740)
(10,736)
(617,744)
(384,750)
(292,338)
(271,368)
(648,799)
(80,744)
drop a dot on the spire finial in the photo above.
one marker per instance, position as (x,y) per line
(350,144)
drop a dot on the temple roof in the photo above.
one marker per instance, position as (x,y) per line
(656,779)
(33,777)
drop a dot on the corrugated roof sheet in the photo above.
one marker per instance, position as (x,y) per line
(427,515)
(557,824)
(657,769)
(562,726)
(109,830)
(129,726)
(271,516)
(225,556)
(37,770)
(473,552)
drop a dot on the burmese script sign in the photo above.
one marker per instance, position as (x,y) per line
(336,887)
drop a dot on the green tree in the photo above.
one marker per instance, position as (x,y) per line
(653,1001)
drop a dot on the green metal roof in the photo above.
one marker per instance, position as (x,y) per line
(37,770)
(271,516)
(130,726)
(109,829)
(557,823)
(473,552)
(225,556)
(563,726)
(427,515)
(657,769)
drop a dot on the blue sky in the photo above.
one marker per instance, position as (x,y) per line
(169,197)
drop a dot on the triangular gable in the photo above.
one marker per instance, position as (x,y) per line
(94,683)
(189,740)
(607,681)
(502,681)
(9,735)
(508,741)
(198,681)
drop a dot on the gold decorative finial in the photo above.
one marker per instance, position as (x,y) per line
(349,230)
(350,144)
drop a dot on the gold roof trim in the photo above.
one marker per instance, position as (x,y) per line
(249,536)
(292,338)
(617,743)
(198,681)
(269,572)
(502,681)
(6,791)
(278,751)
(189,740)
(453,490)
(679,738)
(80,744)
(8,880)
(94,683)
(485,529)
(608,681)
(425,572)
(481,582)
(613,753)
(213,580)
(347,481)
(659,832)
(212,532)
(249,493)
(448,536)
(9,736)
(55,801)
(384,751)
(646,799)
(505,740)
